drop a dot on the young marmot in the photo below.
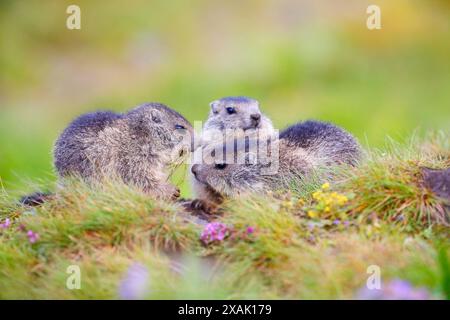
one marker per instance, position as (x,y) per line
(302,150)
(235,117)
(236,113)
(138,147)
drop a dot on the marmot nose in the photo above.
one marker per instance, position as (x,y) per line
(255,116)
(194,169)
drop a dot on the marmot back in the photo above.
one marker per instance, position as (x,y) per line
(69,155)
(324,141)
(138,146)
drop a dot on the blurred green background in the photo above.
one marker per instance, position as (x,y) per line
(300,59)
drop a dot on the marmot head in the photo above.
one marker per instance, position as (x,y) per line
(237,113)
(238,170)
(164,128)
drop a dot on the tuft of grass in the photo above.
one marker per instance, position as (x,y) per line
(389,184)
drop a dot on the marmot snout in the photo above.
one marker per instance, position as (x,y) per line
(138,147)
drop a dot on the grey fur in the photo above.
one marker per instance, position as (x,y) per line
(304,149)
(138,147)
(219,119)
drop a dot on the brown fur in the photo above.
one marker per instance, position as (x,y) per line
(139,147)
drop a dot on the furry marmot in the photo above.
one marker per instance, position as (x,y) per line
(138,146)
(236,113)
(302,150)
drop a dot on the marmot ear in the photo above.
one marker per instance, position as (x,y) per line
(156,115)
(214,106)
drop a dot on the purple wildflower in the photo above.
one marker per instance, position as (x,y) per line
(214,231)
(336,222)
(32,236)
(250,230)
(135,283)
(394,290)
(5,224)
(311,226)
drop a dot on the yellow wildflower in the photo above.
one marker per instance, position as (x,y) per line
(312,214)
(326,186)
(342,200)
(317,195)
(286,204)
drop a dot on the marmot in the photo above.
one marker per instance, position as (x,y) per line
(138,147)
(236,113)
(234,117)
(303,149)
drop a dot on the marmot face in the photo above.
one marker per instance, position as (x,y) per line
(234,172)
(237,113)
(229,180)
(168,131)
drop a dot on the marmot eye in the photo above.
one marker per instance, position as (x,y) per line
(220,166)
(179,126)
(231,110)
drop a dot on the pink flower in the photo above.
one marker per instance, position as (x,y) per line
(214,231)
(5,224)
(135,284)
(394,290)
(250,230)
(32,236)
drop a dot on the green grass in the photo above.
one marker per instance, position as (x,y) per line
(324,64)
(291,254)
